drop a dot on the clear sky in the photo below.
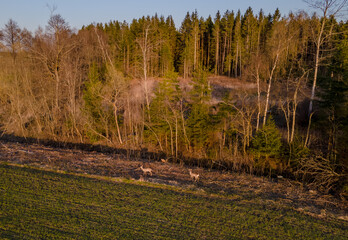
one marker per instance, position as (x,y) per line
(34,13)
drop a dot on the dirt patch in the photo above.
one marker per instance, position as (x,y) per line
(283,191)
(231,83)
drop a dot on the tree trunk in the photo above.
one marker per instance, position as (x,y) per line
(236,63)
(258,98)
(217,52)
(223,56)
(195,50)
(117,125)
(176,136)
(269,89)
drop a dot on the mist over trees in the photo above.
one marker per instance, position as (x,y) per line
(251,91)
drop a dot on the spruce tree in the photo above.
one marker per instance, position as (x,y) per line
(165,114)
(267,144)
(198,121)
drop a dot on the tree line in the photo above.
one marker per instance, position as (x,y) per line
(149,84)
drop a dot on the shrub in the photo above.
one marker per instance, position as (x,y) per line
(266,145)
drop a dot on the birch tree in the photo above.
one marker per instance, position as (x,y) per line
(321,35)
(145,45)
(276,46)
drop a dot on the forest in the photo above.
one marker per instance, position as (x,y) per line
(260,93)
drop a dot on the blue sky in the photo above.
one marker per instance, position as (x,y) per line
(34,13)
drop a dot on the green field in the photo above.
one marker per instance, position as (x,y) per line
(38,204)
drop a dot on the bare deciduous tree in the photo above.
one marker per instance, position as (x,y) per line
(327,8)
(146,46)
(12,37)
(277,45)
(1,38)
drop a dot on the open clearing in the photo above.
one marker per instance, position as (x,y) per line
(48,192)
(43,204)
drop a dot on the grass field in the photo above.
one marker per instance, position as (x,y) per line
(38,204)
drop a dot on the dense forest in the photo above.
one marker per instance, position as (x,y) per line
(254,92)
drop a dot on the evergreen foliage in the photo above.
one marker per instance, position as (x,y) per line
(267,144)
(93,102)
(267,141)
(165,112)
(199,122)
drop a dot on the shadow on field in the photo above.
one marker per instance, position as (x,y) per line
(142,153)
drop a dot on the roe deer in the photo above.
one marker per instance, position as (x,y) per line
(194,176)
(146,170)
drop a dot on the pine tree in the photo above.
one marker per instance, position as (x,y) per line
(216,34)
(237,45)
(249,34)
(229,16)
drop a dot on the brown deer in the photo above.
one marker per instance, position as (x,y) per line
(146,170)
(194,176)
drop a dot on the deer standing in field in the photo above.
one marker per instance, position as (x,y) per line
(146,170)
(194,176)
